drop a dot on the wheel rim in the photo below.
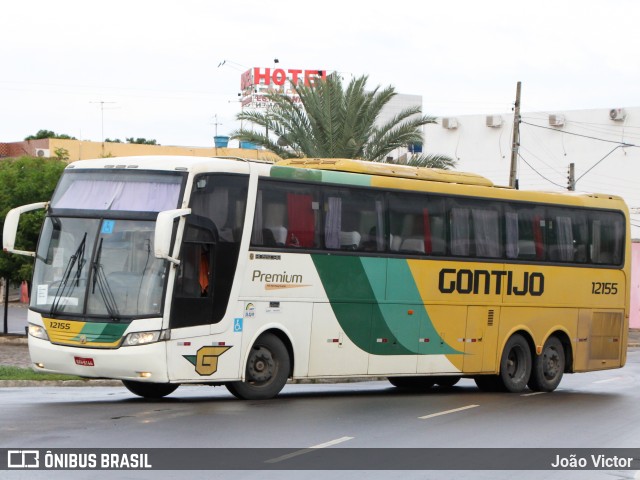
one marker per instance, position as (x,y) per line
(261,367)
(550,363)
(515,362)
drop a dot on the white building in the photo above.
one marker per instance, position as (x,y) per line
(603,144)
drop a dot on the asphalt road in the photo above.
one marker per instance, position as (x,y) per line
(593,410)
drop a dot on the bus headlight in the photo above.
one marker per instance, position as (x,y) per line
(38,332)
(141,338)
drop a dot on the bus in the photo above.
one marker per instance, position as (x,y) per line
(162,271)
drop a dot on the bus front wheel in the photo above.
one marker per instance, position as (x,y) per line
(515,364)
(548,367)
(267,370)
(150,390)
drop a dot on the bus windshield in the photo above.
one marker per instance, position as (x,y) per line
(97,268)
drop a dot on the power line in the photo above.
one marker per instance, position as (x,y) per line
(621,144)
(550,181)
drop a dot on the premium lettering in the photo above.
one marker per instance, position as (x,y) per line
(487,282)
(275,277)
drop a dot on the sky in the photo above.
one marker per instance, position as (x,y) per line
(152,69)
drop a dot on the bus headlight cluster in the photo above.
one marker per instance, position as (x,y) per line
(38,332)
(141,338)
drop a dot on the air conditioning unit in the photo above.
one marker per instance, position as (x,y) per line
(494,121)
(42,152)
(556,120)
(449,123)
(617,114)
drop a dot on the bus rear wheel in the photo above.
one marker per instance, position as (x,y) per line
(150,390)
(412,383)
(515,364)
(548,367)
(268,368)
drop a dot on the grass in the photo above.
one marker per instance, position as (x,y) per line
(18,373)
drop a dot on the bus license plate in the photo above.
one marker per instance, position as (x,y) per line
(85,362)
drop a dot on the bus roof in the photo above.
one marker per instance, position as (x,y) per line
(387,169)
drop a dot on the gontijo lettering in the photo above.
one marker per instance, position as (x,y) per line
(487,282)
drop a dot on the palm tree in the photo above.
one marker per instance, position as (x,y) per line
(333,122)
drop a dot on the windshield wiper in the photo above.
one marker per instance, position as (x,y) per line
(77,257)
(100,279)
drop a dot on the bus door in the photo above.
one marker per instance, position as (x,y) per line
(193,292)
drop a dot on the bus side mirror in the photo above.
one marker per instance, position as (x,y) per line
(164,231)
(10,229)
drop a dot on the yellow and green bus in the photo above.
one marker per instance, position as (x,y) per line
(162,271)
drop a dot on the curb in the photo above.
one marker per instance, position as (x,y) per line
(13,339)
(59,383)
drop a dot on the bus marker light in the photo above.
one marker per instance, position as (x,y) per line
(382,340)
(39,365)
(184,344)
(424,340)
(219,344)
(333,340)
(539,349)
(144,374)
(410,312)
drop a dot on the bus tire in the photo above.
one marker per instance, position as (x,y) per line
(548,367)
(267,371)
(150,390)
(515,364)
(447,381)
(412,383)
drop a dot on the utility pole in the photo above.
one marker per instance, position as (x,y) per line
(102,102)
(513,175)
(216,124)
(571,186)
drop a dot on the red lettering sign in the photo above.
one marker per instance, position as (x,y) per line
(279,76)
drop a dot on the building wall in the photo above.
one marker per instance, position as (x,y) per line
(79,150)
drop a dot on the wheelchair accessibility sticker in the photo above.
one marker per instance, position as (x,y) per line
(237,325)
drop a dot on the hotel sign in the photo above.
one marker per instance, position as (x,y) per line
(257,82)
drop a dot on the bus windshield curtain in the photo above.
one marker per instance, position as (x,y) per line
(564,239)
(511,227)
(333,222)
(301,220)
(486,233)
(113,195)
(537,237)
(460,230)
(428,245)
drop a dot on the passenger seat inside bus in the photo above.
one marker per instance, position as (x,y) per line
(350,240)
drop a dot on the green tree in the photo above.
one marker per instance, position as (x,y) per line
(141,141)
(432,161)
(49,134)
(333,122)
(25,180)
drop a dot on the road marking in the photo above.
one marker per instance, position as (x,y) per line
(308,450)
(532,394)
(614,379)
(448,412)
